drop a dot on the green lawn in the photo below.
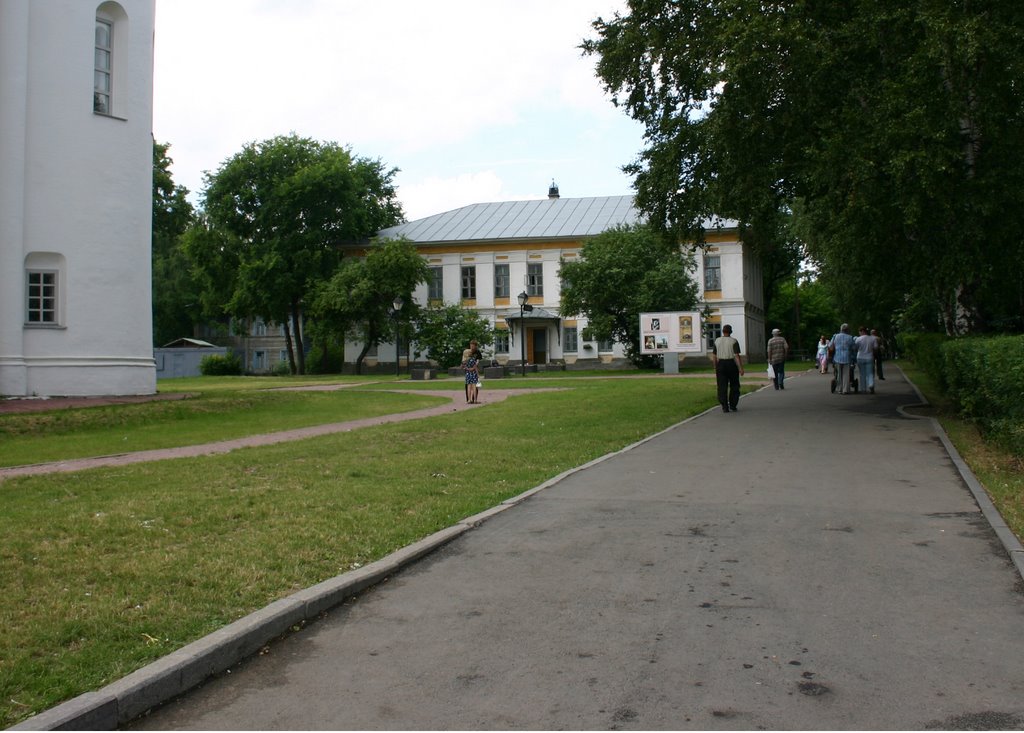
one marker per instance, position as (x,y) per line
(208,416)
(109,569)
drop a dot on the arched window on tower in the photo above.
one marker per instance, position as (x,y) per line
(102,86)
(111,36)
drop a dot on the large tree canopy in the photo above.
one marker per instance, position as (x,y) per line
(357,299)
(275,215)
(894,129)
(622,273)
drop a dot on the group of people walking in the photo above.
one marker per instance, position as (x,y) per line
(843,351)
(846,352)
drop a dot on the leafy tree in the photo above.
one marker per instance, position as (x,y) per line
(175,296)
(274,217)
(804,310)
(622,273)
(445,331)
(892,129)
(357,300)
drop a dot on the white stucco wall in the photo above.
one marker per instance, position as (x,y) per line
(78,197)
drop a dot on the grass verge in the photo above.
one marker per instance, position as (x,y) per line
(999,471)
(107,570)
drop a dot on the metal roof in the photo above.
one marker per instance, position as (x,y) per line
(551,218)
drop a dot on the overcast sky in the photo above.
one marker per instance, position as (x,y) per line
(483,100)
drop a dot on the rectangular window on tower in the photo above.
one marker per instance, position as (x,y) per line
(42,297)
(103,68)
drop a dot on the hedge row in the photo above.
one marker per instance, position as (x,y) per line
(983,376)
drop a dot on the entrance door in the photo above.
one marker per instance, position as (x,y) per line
(537,346)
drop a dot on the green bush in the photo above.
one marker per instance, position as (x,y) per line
(220,366)
(984,377)
(925,350)
(281,369)
(316,363)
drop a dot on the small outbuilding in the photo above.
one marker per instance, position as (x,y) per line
(181,357)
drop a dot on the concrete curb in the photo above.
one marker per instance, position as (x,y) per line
(1006,536)
(181,670)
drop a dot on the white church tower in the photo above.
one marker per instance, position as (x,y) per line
(76,167)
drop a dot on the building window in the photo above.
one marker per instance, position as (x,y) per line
(259,328)
(571,339)
(535,280)
(605,344)
(501,288)
(42,297)
(259,361)
(435,287)
(712,272)
(102,72)
(714,330)
(469,282)
(501,342)
(282,356)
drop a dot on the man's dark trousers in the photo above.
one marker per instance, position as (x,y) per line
(780,375)
(728,375)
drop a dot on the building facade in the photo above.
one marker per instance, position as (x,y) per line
(487,256)
(76,146)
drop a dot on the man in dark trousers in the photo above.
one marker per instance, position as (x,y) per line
(778,350)
(728,369)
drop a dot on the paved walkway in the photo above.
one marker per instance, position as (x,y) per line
(814,561)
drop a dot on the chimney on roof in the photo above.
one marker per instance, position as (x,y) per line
(553,190)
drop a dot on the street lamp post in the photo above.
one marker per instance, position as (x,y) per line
(522,298)
(397,304)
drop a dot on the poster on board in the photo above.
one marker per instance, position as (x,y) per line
(677,332)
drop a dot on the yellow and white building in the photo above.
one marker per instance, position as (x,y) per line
(485,256)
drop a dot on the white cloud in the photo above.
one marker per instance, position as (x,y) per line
(396,79)
(434,195)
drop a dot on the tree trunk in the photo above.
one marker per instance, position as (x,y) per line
(288,344)
(300,351)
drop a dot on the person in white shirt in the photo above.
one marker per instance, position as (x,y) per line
(867,348)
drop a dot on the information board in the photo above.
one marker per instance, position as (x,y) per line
(663,333)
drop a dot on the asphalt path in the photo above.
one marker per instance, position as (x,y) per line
(813,561)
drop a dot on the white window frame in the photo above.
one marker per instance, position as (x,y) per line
(102,99)
(571,339)
(435,286)
(501,341)
(502,286)
(712,272)
(39,304)
(535,279)
(469,282)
